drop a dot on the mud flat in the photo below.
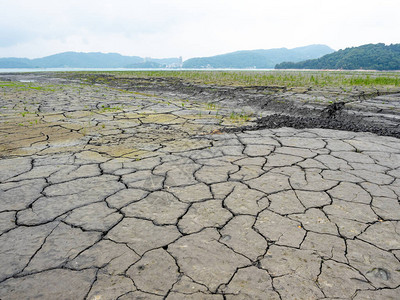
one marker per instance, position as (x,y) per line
(122,188)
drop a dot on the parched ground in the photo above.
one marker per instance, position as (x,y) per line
(112,192)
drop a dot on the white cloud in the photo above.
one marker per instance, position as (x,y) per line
(190,28)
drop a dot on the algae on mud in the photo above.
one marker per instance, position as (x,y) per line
(368,101)
(258,78)
(110,121)
(216,98)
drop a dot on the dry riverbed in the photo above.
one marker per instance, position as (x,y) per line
(122,188)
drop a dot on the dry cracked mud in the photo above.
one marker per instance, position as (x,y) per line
(108,193)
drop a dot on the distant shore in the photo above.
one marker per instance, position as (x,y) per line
(29,70)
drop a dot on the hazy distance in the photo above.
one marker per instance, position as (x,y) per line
(159,29)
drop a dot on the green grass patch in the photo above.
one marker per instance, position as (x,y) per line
(110,109)
(22,86)
(240,116)
(266,78)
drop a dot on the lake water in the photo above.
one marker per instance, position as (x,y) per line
(29,70)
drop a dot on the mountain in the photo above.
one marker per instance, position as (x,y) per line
(146,65)
(12,62)
(157,63)
(367,57)
(85,60)
(258,59)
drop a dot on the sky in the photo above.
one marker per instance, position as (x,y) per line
(191,28)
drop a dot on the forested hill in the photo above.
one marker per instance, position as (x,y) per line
(258,59)
(88,60)
(367,57)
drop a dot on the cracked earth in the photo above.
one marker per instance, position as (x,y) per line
(110,194)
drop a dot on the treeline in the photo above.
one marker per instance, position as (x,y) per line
(366,57)
(257,59)
(89,60)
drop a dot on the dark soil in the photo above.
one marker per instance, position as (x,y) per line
(347,123)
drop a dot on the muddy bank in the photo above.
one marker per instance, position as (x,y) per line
(109,194)
(347,123)
(357,109)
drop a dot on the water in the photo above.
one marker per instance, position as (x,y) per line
(30,70)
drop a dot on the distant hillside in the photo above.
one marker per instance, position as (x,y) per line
(85,60)
(146,65)
(367,57)
(157,63)
(259,59)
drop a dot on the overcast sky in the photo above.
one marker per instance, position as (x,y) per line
(191,28)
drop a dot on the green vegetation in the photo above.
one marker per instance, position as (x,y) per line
(26,86)
(105,108)
(242,117)
(367,57)
(258,59)
(211,106)
(240,59)
(24,113)
(271,78)
(87,60)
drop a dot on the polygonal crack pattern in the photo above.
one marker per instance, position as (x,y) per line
(137,199)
